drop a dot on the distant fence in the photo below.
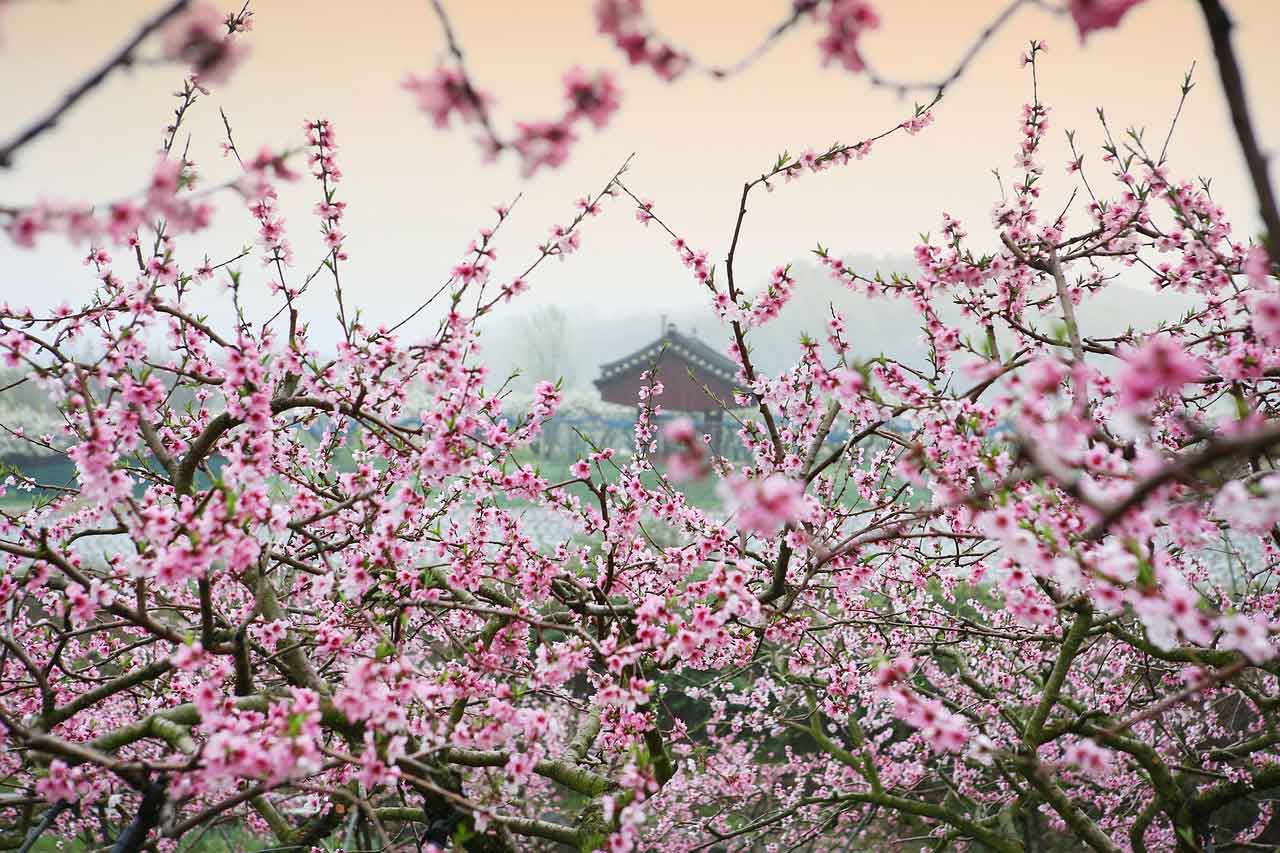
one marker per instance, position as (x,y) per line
(564,436)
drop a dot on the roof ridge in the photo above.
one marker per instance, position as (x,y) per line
(695,350)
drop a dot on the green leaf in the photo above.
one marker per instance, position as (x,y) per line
(463,833)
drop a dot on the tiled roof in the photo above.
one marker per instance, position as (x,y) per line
(688,348)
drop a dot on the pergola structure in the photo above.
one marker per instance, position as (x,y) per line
(694,376)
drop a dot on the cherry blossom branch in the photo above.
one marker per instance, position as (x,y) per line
(798,10)
(121,58)
(1182,469)
(1156,709)
(469,91)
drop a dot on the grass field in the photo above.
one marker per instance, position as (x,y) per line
(700,493)
(222,839)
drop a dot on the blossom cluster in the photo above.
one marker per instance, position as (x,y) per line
(592,98)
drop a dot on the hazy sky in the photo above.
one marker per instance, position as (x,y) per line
(416,195)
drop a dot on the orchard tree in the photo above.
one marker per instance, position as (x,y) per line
(1020,595)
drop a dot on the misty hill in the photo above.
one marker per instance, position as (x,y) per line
(557,341)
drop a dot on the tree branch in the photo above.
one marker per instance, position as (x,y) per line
(1220,24)
(122,57)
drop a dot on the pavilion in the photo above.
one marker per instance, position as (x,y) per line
(695,378)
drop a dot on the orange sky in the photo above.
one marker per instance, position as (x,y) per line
(416,196)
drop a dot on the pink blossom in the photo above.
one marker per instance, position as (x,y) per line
(918,123)
(614,16)
(189,657)
(847,20)
(688,461)
(60,784)
(1249,635)
(25,227)
(1090,15)
(1089,758)
(1045,376)
(667,62)
(1257,266)
(849,384)
(199,38)
(543,143)
(679,431)
(1266,317)
(444,93)
(893,672)
(1159,366)
(765,505)
(595,98)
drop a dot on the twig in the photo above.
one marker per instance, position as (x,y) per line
(1180,469)
(958,70)
(468,89)
(45,822)
(1220,25)
(1153,711)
